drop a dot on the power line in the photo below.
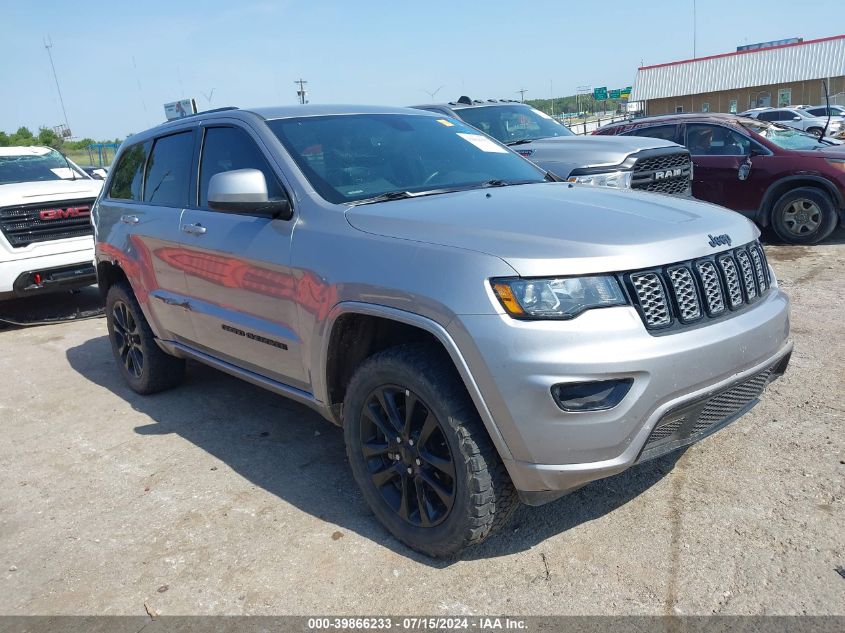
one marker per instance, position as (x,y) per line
(301,93)
(48,44)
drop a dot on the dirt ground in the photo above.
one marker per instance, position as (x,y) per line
(221,498)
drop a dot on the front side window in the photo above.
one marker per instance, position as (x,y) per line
(715,140)
(513,123)
(769,116)
(169,170)
(354,157)
(129,173)
(228,148)
(33,164)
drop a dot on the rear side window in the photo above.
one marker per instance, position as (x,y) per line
(228,148)
(666,132)
(169,170)
(769,116)
(129,173)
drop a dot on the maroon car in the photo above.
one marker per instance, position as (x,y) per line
(777,176)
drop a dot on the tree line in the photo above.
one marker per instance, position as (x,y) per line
(46,136)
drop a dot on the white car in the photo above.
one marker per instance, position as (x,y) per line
(797,118)
(46,238)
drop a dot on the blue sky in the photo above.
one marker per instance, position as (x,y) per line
(119,61)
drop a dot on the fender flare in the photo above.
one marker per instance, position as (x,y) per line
(424,323)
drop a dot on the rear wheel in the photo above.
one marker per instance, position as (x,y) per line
(816,131)
(804,216)
(145,367)
(421,455)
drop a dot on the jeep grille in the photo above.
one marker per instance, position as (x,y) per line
(690,292)
(25,224)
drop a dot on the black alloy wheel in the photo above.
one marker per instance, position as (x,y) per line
(127,339)
(407,456)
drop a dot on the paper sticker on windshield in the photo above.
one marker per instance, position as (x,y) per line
(445,122)
(483,143)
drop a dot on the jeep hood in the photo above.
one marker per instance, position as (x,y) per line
(561,154)
(559,229)
(49,191)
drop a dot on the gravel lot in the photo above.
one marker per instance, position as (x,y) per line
(219,498)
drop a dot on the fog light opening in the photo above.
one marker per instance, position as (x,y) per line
(596,395)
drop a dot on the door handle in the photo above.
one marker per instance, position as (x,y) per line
(129,219)
(194,229)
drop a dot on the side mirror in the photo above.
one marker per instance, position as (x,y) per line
(796,118)
(244,191)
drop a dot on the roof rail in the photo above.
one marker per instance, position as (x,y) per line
(189,116)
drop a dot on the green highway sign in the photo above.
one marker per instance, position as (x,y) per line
(614,94)
(600,94)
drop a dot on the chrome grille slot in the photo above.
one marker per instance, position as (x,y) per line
(744,260)
(652,299)
(734,290)
(759,269)
(685,294)
(712,287)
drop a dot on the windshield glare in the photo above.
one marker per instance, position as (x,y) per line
(785,137)
(510,123)
(361,156)
(32,167)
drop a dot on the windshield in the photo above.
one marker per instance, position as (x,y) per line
(360,156)
(34,164)
(785,137)
(512,123)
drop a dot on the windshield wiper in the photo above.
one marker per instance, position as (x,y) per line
(521,141)
(399,195)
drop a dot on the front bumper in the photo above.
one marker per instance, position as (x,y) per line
(550,451)
(59,271)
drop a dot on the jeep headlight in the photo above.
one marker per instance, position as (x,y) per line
(613,179)
(563,298)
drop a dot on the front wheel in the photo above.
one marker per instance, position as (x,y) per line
(816,131)
(804,216)
(420,453)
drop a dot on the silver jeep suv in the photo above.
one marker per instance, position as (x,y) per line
(481,333)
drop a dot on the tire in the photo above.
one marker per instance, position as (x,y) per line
(482,495)
(816,131)
(143,364)
(804,216)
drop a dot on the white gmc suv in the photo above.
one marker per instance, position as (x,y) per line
(45,231)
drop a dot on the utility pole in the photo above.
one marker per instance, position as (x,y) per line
(522,92)
(48,44)
(301,93)
(694,31)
